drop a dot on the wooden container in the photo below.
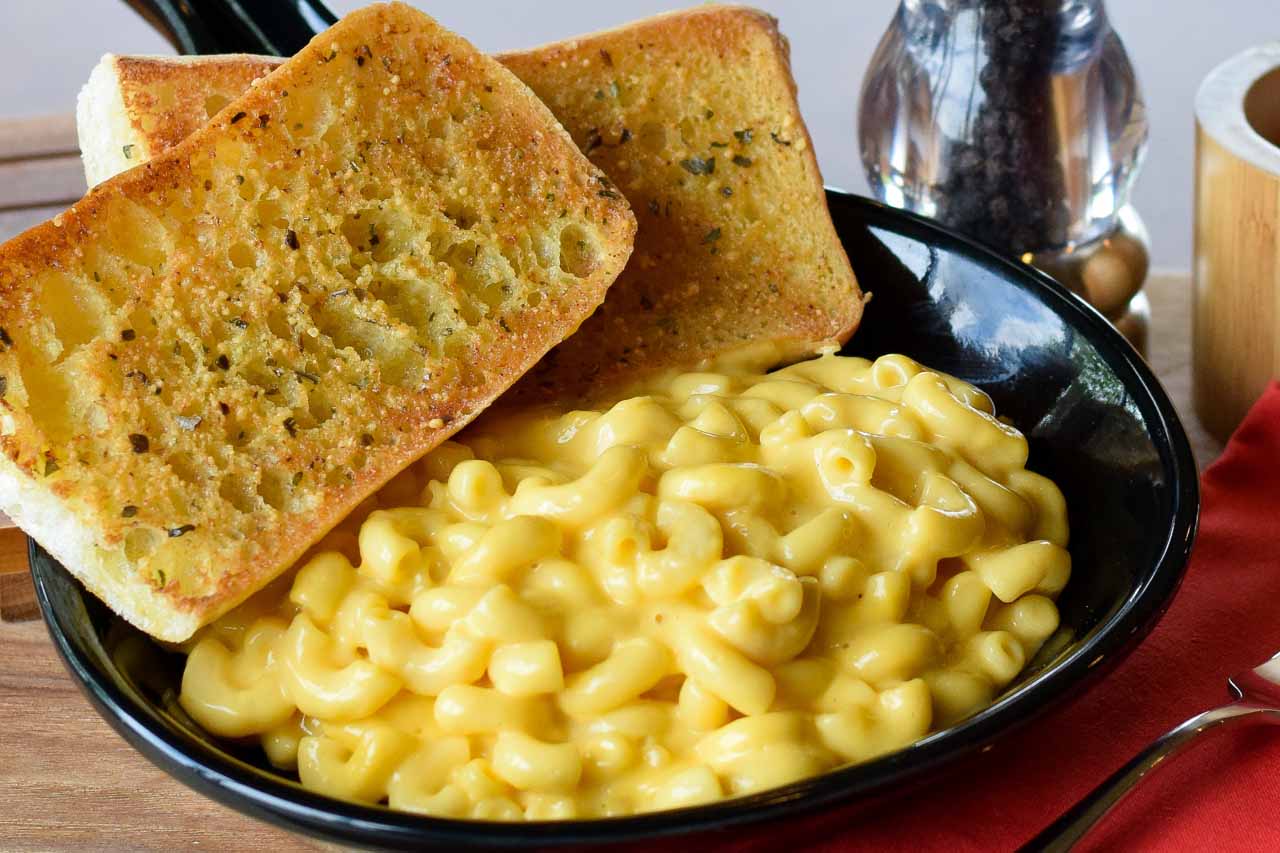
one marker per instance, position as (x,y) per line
(1236,274)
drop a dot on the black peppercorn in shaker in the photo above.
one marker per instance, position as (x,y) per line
(1017,122)
(1005,187)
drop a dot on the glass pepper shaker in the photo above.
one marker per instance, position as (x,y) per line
(1021,124)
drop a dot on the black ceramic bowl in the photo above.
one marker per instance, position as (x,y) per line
(1098,422)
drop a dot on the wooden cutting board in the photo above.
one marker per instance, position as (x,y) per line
(68,781)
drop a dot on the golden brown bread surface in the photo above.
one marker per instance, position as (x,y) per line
(213,357)
(694,117)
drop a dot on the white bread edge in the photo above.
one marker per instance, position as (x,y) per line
(45,517)
(103,126)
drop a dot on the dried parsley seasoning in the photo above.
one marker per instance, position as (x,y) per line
(743,136)
(366,440)
(711,236)
(223,362)
(5,339)
(129,511)
(4,386)
(50,465)
(128,334)
(181,530)
(291,239)
(235,118)
(127,150)
(606,189)
(139,442)
(239,323)
(739,160)
(699,166)
(291,426)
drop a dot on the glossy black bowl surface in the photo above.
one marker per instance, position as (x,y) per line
(1099,425)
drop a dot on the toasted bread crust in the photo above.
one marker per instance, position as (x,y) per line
(776,273)
(147,329)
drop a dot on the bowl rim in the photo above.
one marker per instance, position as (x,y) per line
(238,784)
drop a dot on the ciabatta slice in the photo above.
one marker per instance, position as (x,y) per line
(212,358)
(694,117)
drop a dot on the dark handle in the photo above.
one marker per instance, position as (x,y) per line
(274,27)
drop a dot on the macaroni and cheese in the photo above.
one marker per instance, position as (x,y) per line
(728,583)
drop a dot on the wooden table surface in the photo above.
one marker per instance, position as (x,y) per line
(68,781)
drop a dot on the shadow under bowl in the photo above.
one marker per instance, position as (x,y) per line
(1098,423)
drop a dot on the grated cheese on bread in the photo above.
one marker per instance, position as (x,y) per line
(694,117)
(212,358)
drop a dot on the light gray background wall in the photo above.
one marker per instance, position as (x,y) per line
(50,45)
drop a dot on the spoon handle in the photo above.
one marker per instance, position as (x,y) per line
(1067,830)
(275,27)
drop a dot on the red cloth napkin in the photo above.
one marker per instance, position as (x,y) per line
(1223,794)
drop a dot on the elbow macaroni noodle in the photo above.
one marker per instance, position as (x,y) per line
(731,583)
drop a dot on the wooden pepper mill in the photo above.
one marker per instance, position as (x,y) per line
(1236,318)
